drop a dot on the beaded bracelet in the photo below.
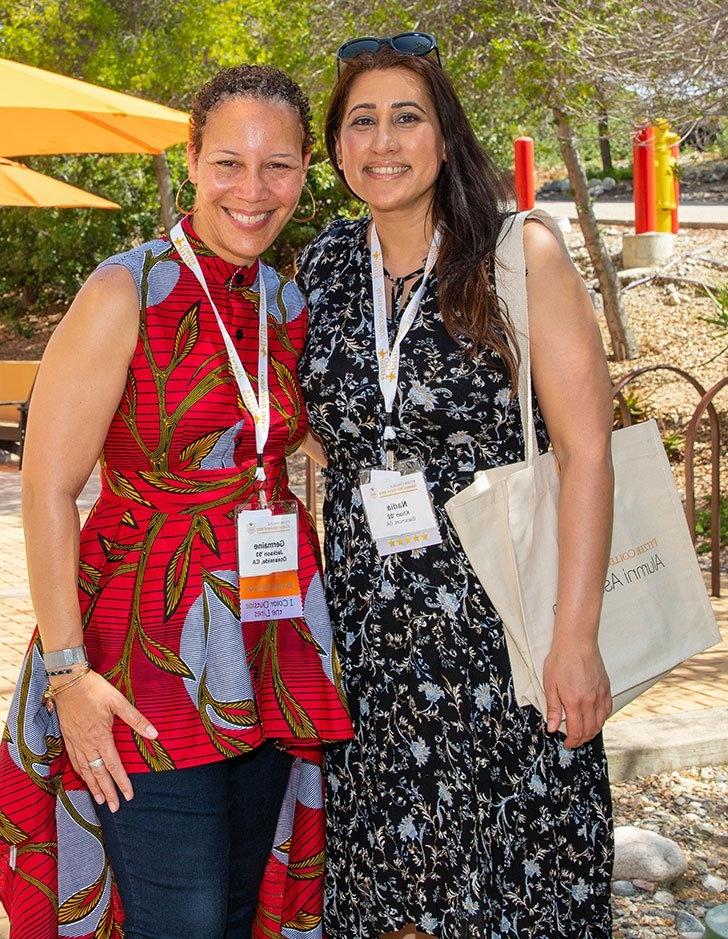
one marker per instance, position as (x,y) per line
(66,671)
(50,694)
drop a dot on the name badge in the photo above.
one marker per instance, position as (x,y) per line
(399,509)
(268,563)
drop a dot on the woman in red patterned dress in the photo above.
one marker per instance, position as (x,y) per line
(170,785)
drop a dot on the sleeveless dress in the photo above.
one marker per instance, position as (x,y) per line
(159,600)
(452,809)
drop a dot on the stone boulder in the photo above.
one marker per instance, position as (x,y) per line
(645,855)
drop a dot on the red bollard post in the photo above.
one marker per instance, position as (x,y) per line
(675,151)
(525,173)
(643,181)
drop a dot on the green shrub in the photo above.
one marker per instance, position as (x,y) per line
(703,526)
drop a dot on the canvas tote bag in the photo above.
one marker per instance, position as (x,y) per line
(656,611)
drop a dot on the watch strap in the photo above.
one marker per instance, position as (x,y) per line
(64,657)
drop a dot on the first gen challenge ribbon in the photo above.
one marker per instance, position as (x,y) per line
(388,360)
(259,407)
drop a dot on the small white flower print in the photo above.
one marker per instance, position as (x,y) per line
(406,829)
(448,601)
(580,890)
(333,783)
(429,923)
(349,640)
(318,366)
(432,691)
(532,868)
(483,698)
(388,591)
(422,395)
(460,439)
(348,426)
(363,707)
(470,905)
(537,785)
(420,751)
(566,756)
(444,793)
(503,397)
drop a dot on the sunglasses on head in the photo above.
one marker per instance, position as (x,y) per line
(422,44)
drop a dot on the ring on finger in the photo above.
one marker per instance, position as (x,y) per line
(97,763)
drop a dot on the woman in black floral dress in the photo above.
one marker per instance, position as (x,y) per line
(454,812)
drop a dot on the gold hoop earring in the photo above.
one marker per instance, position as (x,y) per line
(312,216)
(181,209)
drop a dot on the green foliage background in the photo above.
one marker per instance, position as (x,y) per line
(510,66)
(164,51)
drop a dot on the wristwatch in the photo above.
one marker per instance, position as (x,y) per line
(64,657)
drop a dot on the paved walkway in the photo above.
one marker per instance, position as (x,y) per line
(691,215)
(699,684)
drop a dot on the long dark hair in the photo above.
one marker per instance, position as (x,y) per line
(468,202)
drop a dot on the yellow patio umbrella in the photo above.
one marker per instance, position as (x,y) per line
(42,112)
(19,185)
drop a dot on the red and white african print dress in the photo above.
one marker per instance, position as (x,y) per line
(159,599)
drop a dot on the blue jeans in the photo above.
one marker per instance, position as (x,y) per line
(189,850)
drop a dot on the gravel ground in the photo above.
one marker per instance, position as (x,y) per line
(691,808)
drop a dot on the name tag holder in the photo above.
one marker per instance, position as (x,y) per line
(267,535)
(398,507)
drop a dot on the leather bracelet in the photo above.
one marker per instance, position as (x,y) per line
(64,657)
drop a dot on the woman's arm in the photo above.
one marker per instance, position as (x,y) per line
(80,383)
(574,392)
(311,446)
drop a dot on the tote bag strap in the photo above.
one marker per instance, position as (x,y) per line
(510,278)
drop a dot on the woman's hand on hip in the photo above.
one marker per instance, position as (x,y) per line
(86,714)
(577,685)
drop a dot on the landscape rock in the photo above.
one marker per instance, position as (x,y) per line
(664,896)
(714,884)
(646,856)
(624,888)
(609,183)
(687,925)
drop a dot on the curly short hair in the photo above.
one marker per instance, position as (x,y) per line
(262,82)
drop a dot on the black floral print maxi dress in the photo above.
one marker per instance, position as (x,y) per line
(452,809)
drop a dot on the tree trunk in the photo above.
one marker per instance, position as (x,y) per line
(605,148)
(623,344)
(168,213)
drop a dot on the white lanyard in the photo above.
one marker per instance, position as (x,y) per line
(389,359)
(259,408)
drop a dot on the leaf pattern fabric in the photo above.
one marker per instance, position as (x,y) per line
(159,598)
(452,808)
